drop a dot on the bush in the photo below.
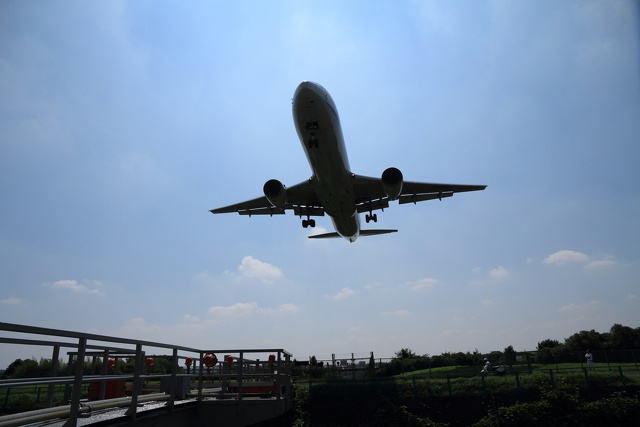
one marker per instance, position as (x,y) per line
(558,408)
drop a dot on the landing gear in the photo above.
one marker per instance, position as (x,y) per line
(308,223)
(371,217)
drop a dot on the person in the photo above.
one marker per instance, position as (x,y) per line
(485,369)
(589,358)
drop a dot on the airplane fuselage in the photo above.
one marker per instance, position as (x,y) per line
(318,127)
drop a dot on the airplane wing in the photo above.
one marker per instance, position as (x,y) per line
(301,198)
(370,193)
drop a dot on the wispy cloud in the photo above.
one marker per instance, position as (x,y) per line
(494,275)
(579,308)
(11,301)
(256,269)
(607,261)
(421,284)
(344,293)
(568,256)
(498,273)
(397,313)
(565,256)
(87,287)
(242,309)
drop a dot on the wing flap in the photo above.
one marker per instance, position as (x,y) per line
(372,205)
(414,198)
(272,210)
(308,211)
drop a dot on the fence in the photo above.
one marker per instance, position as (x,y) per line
(236,373)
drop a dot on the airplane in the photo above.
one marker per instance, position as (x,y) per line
(333,189)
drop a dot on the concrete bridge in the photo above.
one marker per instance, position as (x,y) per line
(219,387)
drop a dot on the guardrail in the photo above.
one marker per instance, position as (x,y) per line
(237,375)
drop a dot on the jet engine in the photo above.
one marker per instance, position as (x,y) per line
(276,193)
(392,182)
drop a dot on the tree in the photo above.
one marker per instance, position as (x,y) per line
(585,340)
(624,337)
(548,343)
(405,353)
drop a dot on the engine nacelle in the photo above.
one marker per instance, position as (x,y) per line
(392,182)
(276,193)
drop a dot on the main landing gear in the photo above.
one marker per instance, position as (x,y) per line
(371,217)
(308,223)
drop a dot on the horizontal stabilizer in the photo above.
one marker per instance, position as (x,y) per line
(324,236)
(375,232)
(362,233)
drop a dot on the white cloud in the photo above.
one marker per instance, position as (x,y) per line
(74,286)
(254,268)
(494,275)
(397,313)
(486,302)
(422,284)
(602,263)
(565,256)
(498,273)
(235,310)
(579,308)
(11,301)
(343,294)
(318,230)
(190,318)
(241,309)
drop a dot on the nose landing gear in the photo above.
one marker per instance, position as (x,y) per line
(371,217)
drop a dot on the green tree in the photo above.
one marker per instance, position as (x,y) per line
(624,337)
(405,353)
(584,340)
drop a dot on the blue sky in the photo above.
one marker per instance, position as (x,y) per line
(123,123)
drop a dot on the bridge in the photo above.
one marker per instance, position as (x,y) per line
(229,387)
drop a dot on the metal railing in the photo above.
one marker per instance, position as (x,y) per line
(236,373)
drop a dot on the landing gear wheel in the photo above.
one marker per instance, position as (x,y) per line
(305,223)
(312,223)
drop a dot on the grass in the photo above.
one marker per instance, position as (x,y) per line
(475,370)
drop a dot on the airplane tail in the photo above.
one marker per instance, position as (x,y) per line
(362,233)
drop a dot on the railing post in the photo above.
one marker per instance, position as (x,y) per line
(551,378)
(137,383)
(53,373)
(200,375)
(77,385)
(449,384)
(105,372)
(67,387)
(174,380)
(240,381)
(277,380)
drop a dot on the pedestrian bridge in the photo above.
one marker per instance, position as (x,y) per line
(121,382)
